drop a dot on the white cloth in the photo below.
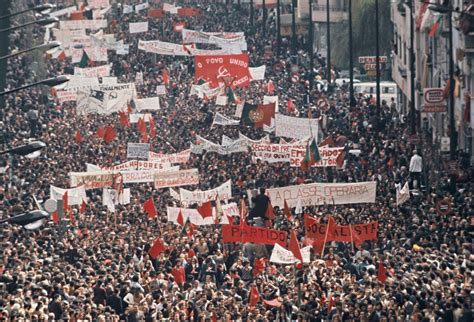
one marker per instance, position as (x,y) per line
(416,163)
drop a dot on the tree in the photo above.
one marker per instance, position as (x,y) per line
(363,32)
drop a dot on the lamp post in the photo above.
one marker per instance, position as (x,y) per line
(22,150)
(377,58)
(54,81)
(41,22)
(310,45)
(328,39)
(264,18)
(412,69)
(44,47)
(42,8)
(293,27)
(30,220)
(278,29)
(251,12)
(351,60)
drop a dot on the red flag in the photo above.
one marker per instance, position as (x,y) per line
(110,134)
(291,106)
(100,132)
(179,275)
(71,218)
(327,141)
(65,201)
(62,56)
(191,229)
(144,137)
(287,211)
(331,303)
(340,159)
(78,137)
(123,118)
(141,125)
(295,247)
(331,227)
(166,77)
(269,212)
(156,13)
(157,248)
(83,207)
(180,219)
(274,302)
(254,296)
(270,87)
(382,273)
(259,266)
(76,15)
(149,207)
(205,210)
(152,127)
(55,217)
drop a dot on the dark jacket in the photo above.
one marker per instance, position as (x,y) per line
(260,206)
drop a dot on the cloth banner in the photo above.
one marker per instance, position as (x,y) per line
(137,27)
(109,80)
(174,194)
(403,195)
(315,194)
(149,103)
(171,8)
(176,178)
(360,232)
(281,255)
(224,191)
(205,90)
(223,120)
(95,54)
(144,175)
(173,158)
(141,6)
(172,49)
(231,210)
(134,117)
(111,198)
(237,44)
(328,156)
(295,127)
(75,196)
(131,165)
(83,24)
(105,99)
(138,150)
(160,90)
(221,100)
(252,234)
(92,180)
(99,71)
(272,99)
(200,37)
(97,4)
(273,153)
(257,73)
(218,68)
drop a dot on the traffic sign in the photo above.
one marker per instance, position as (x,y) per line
(434,100)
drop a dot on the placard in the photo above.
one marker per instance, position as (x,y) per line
(177,178)
(138,150)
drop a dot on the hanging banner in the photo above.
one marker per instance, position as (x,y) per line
(223,120)
(134,117)
(172,49)
(295,127)
(315,194)
(132,165)
(137,27)
(148,103)
(224,192)
(229,210)
(328,156)
(180,157)
(138,150)
(360,232)
(92,180)
(144,176)
(105,99)
(111,198)
(200,37)
(257,73)
(273,153)
(75,196)
(205,90)
(83,24)
(281,255)
(99,71)
(176,178)
(252,234)
(219,68)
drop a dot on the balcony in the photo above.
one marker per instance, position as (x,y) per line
(337,13)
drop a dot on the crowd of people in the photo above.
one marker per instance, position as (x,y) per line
(100,269)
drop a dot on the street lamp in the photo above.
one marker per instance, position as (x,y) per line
(54,81)
(43,47)
(30,220)
(351,60)
(42,8)
(41,22)
(25,149)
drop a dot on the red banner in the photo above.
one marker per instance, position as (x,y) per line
(189,12)
(252,234)
(156,13)
(229,69)
(317,232)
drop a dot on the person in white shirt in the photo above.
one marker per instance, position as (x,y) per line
(416,167)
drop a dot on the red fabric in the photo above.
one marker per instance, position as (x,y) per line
(331,304)
(270,215)
(191,253)
(179,275)
(180,219)
(71,218)
(165,76)
(157,248)
(243,211)
(192,227)
(189,12)
(214,68)
(65,201)
(340,159)
(76,15)
(327,141)
(55,217)
(123,118)
(295,247)
(156,13)
(252,234)
(110,134)
(254,296)
(152,127)
(205,210)
(274,302)
(331,228)
(259,266)
(141,125)
(270,87)
(381,273)
(62,56)
(150,209)
(341,233)
(145,137)
(78,137)
(100,132)
(287,211)
(290,106)
(83,207)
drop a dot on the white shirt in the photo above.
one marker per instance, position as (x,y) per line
(416,163)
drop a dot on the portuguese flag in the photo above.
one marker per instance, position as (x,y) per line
(257,115)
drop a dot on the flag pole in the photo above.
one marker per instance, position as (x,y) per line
(352,237)
(325,239)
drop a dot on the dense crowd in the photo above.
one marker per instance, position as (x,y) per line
(100,269)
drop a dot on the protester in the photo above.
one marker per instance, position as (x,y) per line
(100,268)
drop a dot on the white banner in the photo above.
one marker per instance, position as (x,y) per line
(172,49)
(295,127)
(141,6)
(66,96)
(145,175)
(221,100)
(328,156)
(97,4)
(138,150)
(83,24)
(171,8)
(137,27)
(223,120)
(205,90)
(315,194)
(111,198)
(257,73)
(160,90)
(65,36)
(281,255)
(273,153)
(224,191)
(134,117)
(199,37)
(403,195)
(105,99)
(180,157)
(229,210)
(132,165)
(148,103)
(75,196)
(94,53)
(109,80)
(176,178)
(99,71)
